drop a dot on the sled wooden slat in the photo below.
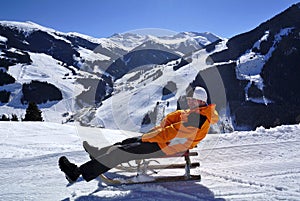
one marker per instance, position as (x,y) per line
(131,181)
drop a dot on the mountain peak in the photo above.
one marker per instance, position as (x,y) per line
(26,27)
(22,25)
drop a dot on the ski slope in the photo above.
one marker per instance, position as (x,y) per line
(255,165)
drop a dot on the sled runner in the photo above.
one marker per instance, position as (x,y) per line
(143,167)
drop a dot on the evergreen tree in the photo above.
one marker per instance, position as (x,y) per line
(4,118)
(14,117)
(33,113)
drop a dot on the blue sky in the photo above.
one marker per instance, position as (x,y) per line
(103,18)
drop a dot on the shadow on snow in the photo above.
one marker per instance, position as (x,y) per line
(183,190)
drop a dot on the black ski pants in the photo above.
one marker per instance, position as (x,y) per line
(109,157)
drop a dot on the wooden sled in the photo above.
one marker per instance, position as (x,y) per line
(142,167)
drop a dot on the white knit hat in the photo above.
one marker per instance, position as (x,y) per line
(200,94)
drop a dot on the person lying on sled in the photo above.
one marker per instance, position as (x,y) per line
(179,131)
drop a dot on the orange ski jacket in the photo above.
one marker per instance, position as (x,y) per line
(183,129)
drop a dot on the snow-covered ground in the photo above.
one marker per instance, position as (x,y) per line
(253,165)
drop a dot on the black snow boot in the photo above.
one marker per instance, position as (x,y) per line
(71,170)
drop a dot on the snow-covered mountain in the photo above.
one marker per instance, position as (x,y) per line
(79,69)
(254,165)
(147,94)
(260,72)
(252,77)
(129,81)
